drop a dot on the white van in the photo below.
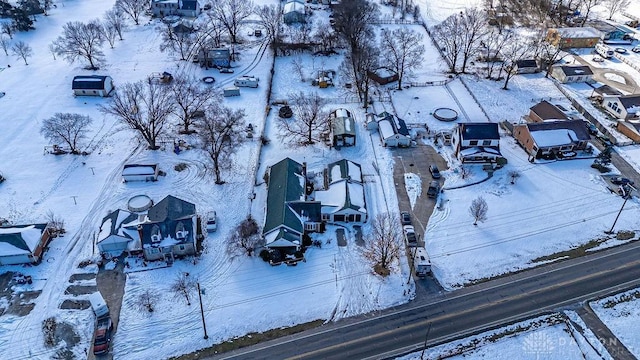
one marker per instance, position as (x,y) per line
(421,262)
(98,305)
(604,51)
(247,81)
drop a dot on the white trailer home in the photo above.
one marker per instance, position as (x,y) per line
(140,172)
(421,262)
(231,91)
(247,81)
(92,85)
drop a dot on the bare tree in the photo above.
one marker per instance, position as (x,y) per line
(245,239)
(356,68)
(549,55)
(298,67)
(448,38)
(4,44)
(614,6)
(473,21)
(22,50)
(133,8)
(230,13)
(402,51)
(514,174)
(80,40)
(221,134)
(518,49)
(587,6)
(478,209)
(183,286)
(6,28)
(109,33)
(383,248)
(52,50)
(67,128)
(115,19)
(55,224)
(353,21)
(492,45)
(271,20)
(144,107)
(183,43)
(147,300)
(309,122)
(191,97)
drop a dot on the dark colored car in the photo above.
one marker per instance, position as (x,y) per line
(435,172)
(604,140)
(102,336)
(619,180)
(593,130)
(405,218)
(434,189)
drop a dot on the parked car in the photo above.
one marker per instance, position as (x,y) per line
(410,236)
(598,59)
(405,218)
(435,172)
(225,70)
(604,140)
(102,336)
(593,130)
(434,189)
(619,180)
(257,33)
(621,50)
(636,49)
(212,224)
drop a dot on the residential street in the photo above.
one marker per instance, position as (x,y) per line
(563,285)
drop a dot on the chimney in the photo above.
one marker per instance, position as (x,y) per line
(140,232)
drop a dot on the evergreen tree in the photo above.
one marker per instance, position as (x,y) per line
(20,20)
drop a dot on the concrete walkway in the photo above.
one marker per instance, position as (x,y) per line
(614,346)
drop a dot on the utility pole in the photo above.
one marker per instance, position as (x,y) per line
(426,338)
(627,194)
(204,325)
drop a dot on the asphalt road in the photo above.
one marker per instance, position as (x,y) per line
(462,312)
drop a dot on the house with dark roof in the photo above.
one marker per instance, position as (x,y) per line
(623,107)
(603,91)
(552,137)
(188,8)
(544,111)
(218,57)
(293,12)
(383,75)
(476,142)
(343,128)
(114,238)
(612,33)
(573,37)
(92,85)
(526,66)
(23,244)
(289,215)
(343,197)
(571,73)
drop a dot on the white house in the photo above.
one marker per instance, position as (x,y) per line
(343,200)
(571,73)
(23,244)
(113,237)
(140,172)
(92,85)
(476,142)
(623,107)
(393,131)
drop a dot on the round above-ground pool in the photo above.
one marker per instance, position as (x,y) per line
(445,114)
(139,203)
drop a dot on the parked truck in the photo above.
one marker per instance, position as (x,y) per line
(98,305)
(421,262)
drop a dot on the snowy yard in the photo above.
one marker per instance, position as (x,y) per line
(621,314)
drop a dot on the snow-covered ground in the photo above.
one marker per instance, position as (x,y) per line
(621,314)
(548,337)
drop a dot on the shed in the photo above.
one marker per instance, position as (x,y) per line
(573,37)
(23,244)
(343,128)
(383,75)
(394,132)
(140,172)
(527,66)
(231,91)
(571,73)
(218,57)
(92,85)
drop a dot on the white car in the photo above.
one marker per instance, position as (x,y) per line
(212,225)
(410,236)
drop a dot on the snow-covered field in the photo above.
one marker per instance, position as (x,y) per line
(621,314)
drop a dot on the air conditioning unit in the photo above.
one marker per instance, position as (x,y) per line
(181,234)
(155,238)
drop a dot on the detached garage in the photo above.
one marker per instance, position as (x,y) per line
(92,85)
(23,244)
(113,238)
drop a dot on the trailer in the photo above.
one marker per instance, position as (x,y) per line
(421,262)
(98,305)
(247,81)
(231,91)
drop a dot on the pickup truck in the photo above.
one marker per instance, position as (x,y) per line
(102,336)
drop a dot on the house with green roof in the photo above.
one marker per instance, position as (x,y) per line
(23,244)
(289,215)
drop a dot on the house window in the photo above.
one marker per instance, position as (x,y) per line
(325,217)
(486,142)
(618,111)
(181,247)
(310,226)
(473,142)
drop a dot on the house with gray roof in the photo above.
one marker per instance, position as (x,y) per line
(544,111)
(552,137)
(23,244)
(623,107)
(393,131)
(476,142)
(343,199)
(343,128)
(571,73)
